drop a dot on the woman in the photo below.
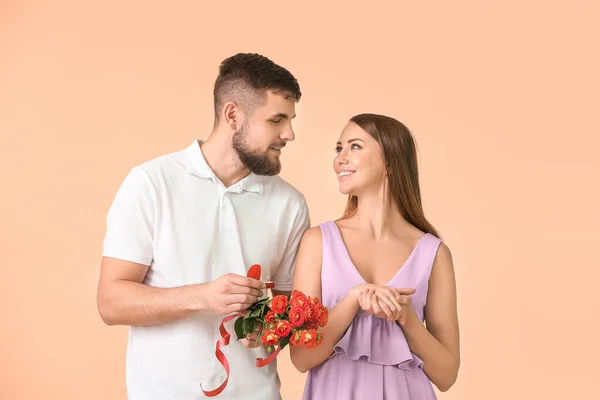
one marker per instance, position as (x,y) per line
(382,271)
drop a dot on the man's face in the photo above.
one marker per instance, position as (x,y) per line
(259,141)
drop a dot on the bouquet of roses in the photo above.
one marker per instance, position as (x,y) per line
(281,320)
(285,319)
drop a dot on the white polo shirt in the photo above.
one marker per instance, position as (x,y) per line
(173,214)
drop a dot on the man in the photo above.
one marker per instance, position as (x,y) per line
(183,230)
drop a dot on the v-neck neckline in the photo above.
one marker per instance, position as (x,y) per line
(357,272)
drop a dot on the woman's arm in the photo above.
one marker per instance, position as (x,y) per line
(307,279)
(438,343)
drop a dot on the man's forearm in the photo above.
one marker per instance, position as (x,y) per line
(132,303)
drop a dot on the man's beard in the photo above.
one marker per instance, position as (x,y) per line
(258,163)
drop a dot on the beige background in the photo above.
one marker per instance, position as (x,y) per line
(501,96)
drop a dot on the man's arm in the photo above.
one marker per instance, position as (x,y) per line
(285,272)
(123,299)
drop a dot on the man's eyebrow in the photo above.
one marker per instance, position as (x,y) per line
(282,115)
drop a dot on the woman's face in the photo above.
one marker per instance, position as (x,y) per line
(359,163)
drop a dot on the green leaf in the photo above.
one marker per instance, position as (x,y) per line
(250,309)
(239,328)
(262,302)
(260,332)
(284,341)
(255,313)
(249,325)
(262,311)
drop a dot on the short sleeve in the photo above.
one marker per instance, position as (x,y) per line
(283,277)
(130,220)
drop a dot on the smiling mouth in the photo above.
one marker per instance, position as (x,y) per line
(345,173)
(277,148)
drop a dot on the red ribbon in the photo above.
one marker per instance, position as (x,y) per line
(225,336)
(261,362)
(254,272)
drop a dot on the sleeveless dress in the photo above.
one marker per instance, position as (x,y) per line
(372,360)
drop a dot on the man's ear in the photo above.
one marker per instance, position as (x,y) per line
(231,115)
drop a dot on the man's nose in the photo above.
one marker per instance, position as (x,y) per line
(288,135)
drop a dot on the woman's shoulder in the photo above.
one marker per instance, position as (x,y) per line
(315,236)
(312,236)
(313,232)
(443,255)
(318,229)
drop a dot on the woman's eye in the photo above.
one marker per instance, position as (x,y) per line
(276,121)
(355,146)
(338,149)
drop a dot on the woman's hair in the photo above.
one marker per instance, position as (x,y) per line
(400,156)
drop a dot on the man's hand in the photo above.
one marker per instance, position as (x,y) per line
(231,293)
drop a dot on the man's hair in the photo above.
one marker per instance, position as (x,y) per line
(245,78)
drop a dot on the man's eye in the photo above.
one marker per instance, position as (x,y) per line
(276,121)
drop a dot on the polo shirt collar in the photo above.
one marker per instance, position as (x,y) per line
(196,165)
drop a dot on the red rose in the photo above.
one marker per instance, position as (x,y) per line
(311,325)
(314,300)
(296,316)
(310,313)
(319,339)
(270,338)
(309,338)
(279,304)
(299,299)
(283,328)
(295,338)
(321,315)
(270,317)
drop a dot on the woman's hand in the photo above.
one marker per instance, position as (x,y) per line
(384,302)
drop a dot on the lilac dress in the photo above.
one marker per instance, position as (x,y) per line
(372,360)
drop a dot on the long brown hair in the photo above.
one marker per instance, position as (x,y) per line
(400,156)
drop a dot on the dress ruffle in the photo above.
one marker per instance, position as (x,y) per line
(378,341)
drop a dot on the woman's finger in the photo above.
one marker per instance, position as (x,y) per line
(389,296)
(368,302)
(387,307)
(397,305)
(394,306)
(405,300)
(365,305)
(381,309)
(374,304)
(400,308)
(361,300)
